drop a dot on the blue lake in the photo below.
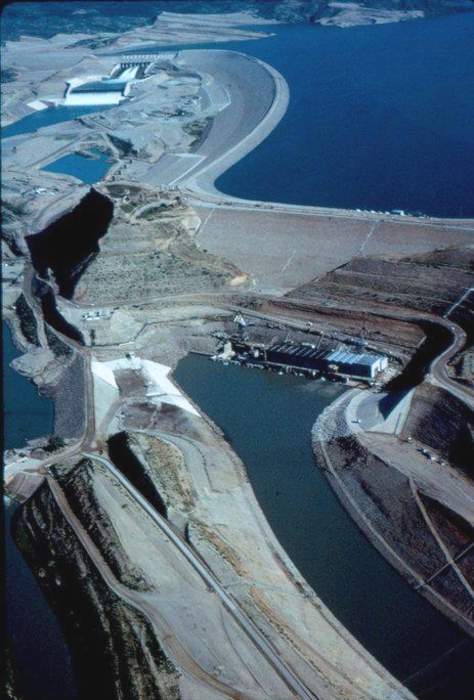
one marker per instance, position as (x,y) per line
(89,170)
(380,117)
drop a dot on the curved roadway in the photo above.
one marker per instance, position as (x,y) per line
(252,631)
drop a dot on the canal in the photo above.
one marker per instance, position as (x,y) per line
(267,419)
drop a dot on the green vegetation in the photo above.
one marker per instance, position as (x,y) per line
(152,212)
(197,127)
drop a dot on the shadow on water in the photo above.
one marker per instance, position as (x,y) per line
(39,651)
(38,647)
(268,419)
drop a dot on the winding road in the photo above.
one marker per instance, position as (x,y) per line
(252,631)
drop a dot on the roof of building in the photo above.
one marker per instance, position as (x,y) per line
(298,350)
(351,358)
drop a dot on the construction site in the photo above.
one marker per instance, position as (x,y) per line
(138,516)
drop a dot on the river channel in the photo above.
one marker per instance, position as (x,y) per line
(267,419)
(26,415)
(37,644)
(379,118)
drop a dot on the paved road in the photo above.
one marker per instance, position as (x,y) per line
(254,634)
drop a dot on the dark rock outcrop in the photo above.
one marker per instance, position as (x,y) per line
(68,245)
(115,652)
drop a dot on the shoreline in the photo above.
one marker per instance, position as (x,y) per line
(201,190)
(202,184)
(413,579)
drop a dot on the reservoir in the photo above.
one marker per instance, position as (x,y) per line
(380,118)
(267,418)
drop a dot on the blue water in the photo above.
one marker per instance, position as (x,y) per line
(89,170)
(268,421)
(27,415)
(36,639)
(47,117)
(380,118)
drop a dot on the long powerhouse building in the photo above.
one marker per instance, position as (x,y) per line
(353,364)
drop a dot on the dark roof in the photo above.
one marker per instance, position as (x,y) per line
(298,351)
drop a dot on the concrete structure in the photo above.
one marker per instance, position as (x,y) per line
(96,92)
(357,364)
(307,356)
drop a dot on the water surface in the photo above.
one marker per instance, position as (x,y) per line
(380,118)
(88,170)
(268,419)
(47,117)
(37,643)
(27,414)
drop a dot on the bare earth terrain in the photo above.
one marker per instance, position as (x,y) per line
(140,522)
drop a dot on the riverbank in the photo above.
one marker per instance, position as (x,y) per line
(226,524)
(261,96)
(43,669)
(329,551)
(361,479)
